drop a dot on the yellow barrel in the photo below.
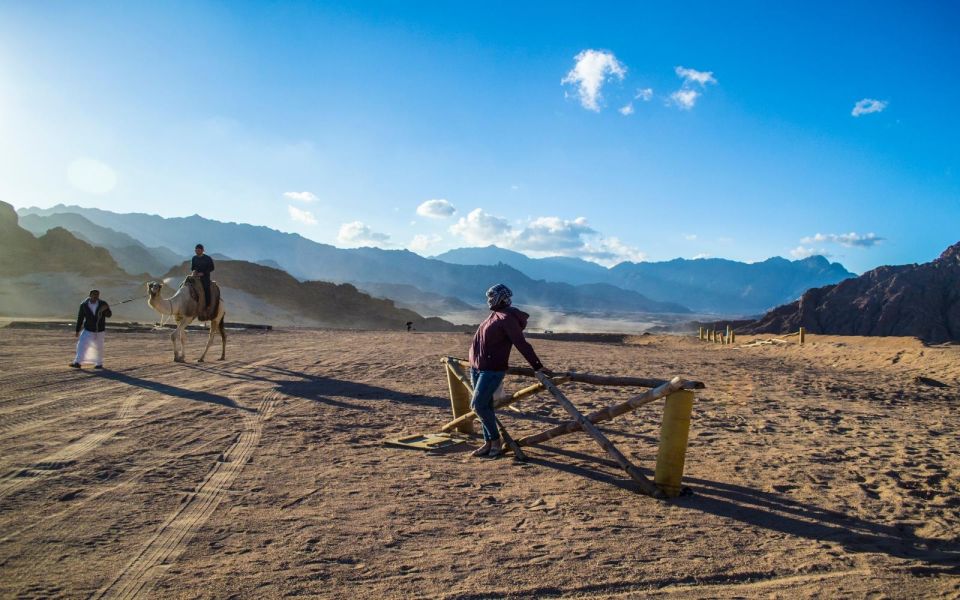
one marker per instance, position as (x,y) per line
(459,399)
(674,431)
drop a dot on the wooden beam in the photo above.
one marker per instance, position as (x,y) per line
(518,395)
(646,486)
(612,380)
(606,414)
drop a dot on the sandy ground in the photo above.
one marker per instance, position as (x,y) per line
(821,471)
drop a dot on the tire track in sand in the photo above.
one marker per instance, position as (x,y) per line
(172,537)
(69,454)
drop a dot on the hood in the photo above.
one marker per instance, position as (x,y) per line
(516,313)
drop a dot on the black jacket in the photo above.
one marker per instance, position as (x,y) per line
(93,322)
(202,263)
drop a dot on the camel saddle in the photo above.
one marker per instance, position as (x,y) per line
(196,292)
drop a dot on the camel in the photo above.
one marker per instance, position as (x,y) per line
(185,309)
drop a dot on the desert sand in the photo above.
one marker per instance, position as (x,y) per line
(827,470)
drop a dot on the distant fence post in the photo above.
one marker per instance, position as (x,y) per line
(802,332)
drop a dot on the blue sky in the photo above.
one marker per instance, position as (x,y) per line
(338,121)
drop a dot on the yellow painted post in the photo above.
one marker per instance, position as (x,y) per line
(674,431)
(700,333)
(459,399)
(801,335)
(733,337)
(715,340)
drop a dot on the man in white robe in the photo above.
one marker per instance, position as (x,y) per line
(91,327)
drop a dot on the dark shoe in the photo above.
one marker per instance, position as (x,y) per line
(98,367)
(481,451)
(496,449)
(75,365)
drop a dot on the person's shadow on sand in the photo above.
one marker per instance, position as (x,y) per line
(775,512)
(325,390)
(170,390)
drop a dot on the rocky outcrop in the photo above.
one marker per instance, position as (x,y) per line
(911,300)
(56,251)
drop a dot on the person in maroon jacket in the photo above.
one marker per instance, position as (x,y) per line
(489,358)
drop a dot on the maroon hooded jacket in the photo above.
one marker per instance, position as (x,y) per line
(496,335)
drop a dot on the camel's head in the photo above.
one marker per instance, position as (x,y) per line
(154,287)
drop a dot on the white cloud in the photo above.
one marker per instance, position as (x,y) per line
(689,236)
(545,236)
(627,110)
(307,197)
(867,106)
(685,99)
(646,94)
(591,70)
(303,216)
(421,242)
(702,255)
(481,228)
(436,209)
(691,76)
(802,252)
(845,239)
(356,233)
(552,234)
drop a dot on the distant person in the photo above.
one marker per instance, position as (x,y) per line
(201,266)
(489,358)
(92,319)
(409,325)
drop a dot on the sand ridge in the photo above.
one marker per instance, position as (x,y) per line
(827,467)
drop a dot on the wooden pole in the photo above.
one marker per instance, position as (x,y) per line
(700,334)
(517,452)
(646,486)
(612,380)
(460,395)
(606,414)
(802,332)
(518,395)
(674,432)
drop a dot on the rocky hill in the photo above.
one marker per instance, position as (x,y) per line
(331,305)
(55,251)
(132,256)
(912,300)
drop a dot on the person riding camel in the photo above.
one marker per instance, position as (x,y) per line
(201,266)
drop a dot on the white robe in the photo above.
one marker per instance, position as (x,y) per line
(90,348)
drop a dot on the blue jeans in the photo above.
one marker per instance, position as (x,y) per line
(485,383)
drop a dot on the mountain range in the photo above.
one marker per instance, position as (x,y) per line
(459,276)
(49,275)
(709,285)
(310,260)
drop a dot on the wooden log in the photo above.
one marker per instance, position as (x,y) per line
(801,334)
(674,432)
(611,380)
(646,486)
(460,395)
(518,395)
(606,414)
(517,452)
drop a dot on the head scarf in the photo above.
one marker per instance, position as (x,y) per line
(499,296)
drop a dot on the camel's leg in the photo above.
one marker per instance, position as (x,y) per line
(223,336)
(181,334)
(173,338)
(213,331)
